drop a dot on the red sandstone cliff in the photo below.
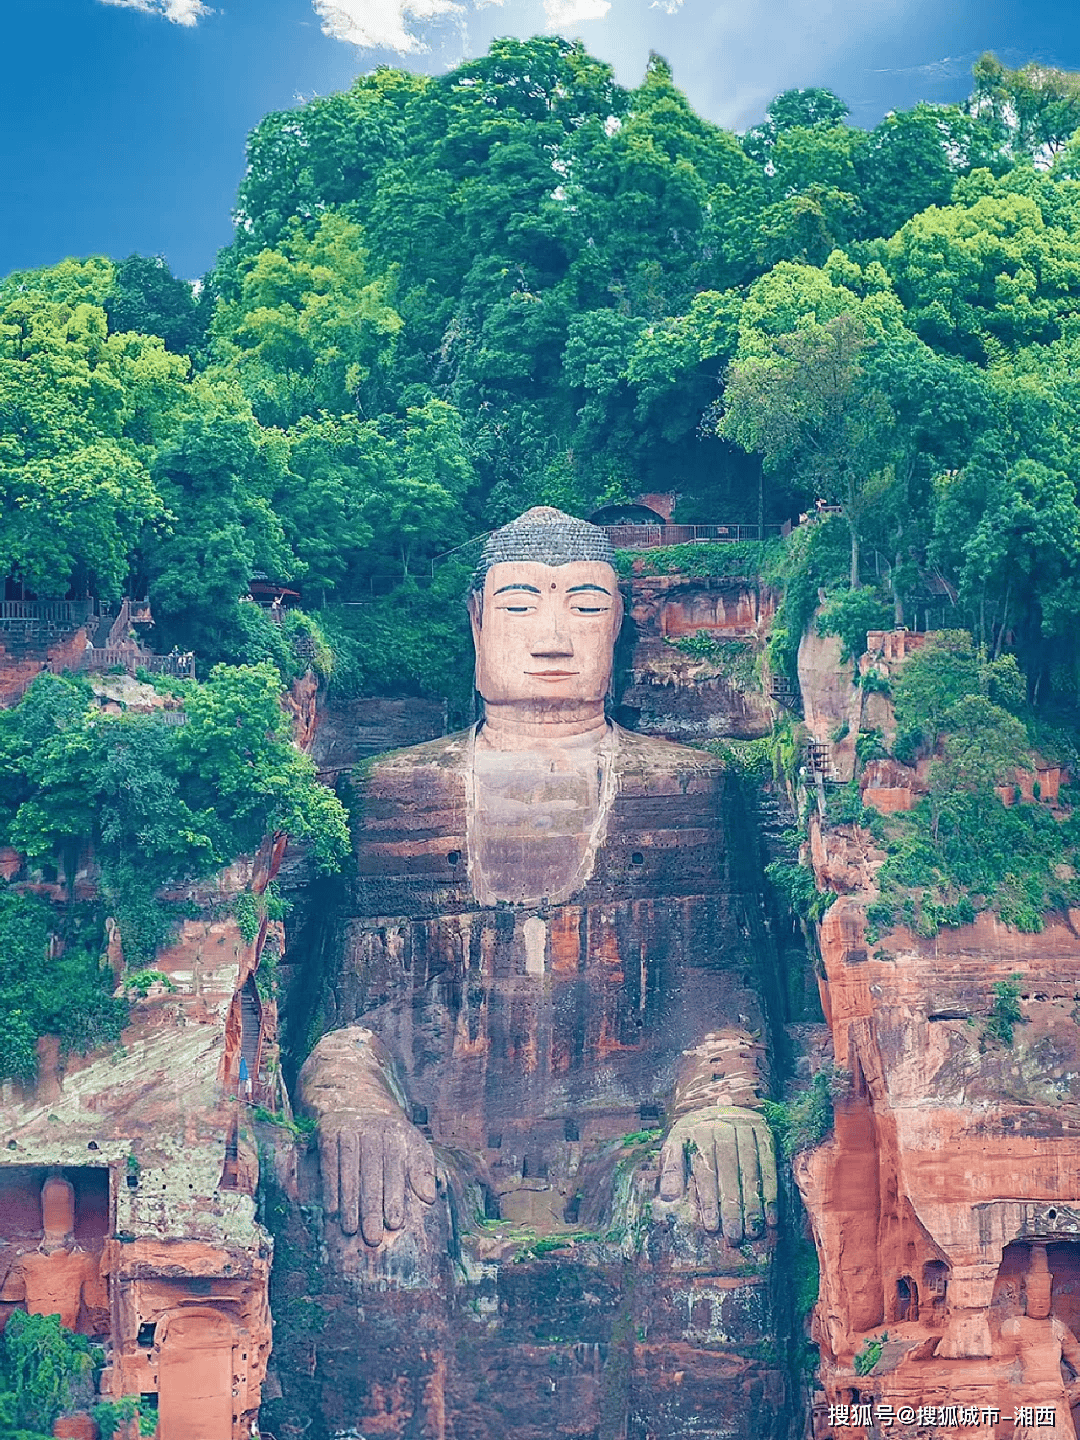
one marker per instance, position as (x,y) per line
(954,1162)
(169,1267)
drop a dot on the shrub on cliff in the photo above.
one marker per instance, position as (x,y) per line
(158,804)
(850,615)
(961,850)
(51,983)
(813,559)
(804,1121)
(950,669)
(48,1370)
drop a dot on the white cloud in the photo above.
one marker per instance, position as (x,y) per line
(381,24)
(561,14)
(180,12)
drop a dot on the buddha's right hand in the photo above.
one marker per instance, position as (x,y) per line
(373,1159)
(367,1163)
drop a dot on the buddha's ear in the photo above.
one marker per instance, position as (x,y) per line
(617,618)
(475,606)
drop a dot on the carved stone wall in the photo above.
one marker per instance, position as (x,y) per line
(954,1160)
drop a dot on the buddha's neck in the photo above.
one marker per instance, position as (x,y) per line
(526,727)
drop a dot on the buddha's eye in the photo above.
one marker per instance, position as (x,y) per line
(590,609)
(518,609)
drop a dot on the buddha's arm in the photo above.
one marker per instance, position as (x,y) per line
(95,1287)
(371,1156)
(719,1150)
(13,1288)
(1070,1348)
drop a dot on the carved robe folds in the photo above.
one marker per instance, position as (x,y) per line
(501,1070)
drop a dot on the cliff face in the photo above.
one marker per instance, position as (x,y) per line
(694,649)
(163,1261)
(952,1176)
(169,1268)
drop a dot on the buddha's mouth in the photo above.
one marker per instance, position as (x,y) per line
(552,674)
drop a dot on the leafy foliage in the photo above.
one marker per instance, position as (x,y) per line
(1005,1012)
(49,1370)
(850,615)
(805,1120)
(870,1354)
(158,804)
(795,884)
(961,849)
(51,983)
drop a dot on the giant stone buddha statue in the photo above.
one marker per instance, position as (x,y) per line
(546,951)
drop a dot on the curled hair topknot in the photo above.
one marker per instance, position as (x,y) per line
(546,535)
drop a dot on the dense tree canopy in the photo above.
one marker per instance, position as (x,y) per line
(449,298)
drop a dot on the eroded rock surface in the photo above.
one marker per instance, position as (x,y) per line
(951,1181)
(712,689)
(167,1266)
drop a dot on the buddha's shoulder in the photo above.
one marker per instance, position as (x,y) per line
(643,756)
(445,757)
(647,758)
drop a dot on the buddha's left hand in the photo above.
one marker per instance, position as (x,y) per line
(722,1157)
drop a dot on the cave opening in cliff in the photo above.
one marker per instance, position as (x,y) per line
(907,1299)
(1063,1262)
(20,1203)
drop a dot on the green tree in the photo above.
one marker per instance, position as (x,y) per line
(803,405)
(240,772)
(218,473)
(50,1367)
(789,110)
(309,323)
(989,273)
(76,495)
(147,297)
(1036,108)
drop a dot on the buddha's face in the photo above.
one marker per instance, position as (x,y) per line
(57,1213)
(1037,1295)
(546,632)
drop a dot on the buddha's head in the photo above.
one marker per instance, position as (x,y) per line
(1038,1284)
(57,1213)
(546,610)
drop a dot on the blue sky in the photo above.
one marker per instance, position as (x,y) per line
(122,122)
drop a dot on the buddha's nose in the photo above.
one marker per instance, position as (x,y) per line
(552,636)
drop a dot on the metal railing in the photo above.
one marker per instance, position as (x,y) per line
(130,658)
(182,666)
(650,537)
(53,612)
(100,657)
